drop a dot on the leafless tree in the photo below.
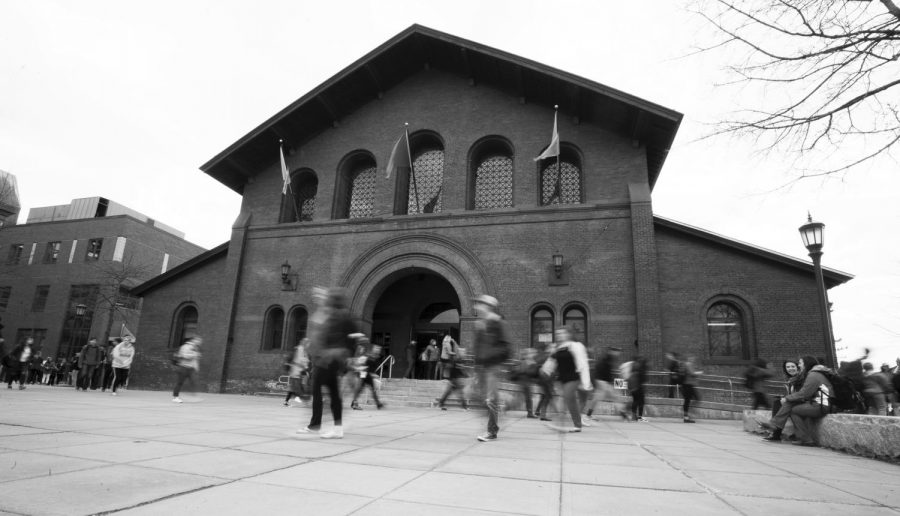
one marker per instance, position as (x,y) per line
(116,279)
(823,74)
(9,196)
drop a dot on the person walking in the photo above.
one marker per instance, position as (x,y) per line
(452,373)
(106,366)
(636,381)
(569,362)
(604,383)
(491,348)
(545,383)
(754,379)
(330,347)
(89,361)
(875,391)
(448,352)
(525,374)
(16,363)
(297,364)
(186,367)
(689,387)
(367,375)
(673,366)
(121,357)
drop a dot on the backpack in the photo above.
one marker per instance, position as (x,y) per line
(845,395)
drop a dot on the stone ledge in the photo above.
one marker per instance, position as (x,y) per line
(857,434)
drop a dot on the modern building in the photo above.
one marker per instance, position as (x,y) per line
(66,274)
(571,239)
(9,199)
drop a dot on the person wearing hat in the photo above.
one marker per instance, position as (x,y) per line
(492,347)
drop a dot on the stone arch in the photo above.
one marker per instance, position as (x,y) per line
(377,268)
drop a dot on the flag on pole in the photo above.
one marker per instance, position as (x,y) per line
(285,175)
(125,333)
(553,149)
(399,155)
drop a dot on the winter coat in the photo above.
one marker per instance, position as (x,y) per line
(812,386)
(492,345)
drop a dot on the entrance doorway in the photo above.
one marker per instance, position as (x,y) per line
(416,307)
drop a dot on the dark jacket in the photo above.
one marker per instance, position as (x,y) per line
(811,387)
(492,344)
(334,343)
(91,355)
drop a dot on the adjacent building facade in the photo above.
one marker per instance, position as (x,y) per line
(571,239)
(66,274)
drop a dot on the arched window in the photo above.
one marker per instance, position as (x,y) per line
(575,318)
(541,326)
(299,204)
(492,175)
(423,186)
(726,331)
(560,180)
(356,195)
(186,320)
(297,325)
(273,330)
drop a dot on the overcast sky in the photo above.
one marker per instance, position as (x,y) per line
(126,100)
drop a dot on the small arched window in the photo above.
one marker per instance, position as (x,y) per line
(575,318)
(187,319)
(273,329)
(356,195)
(299,204)
(726,331)
(422,188)
(561,179)
(492,175)
(297,326)
(541,327)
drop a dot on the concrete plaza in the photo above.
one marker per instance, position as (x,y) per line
(68,452)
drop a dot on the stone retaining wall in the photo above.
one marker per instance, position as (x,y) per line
(866,436)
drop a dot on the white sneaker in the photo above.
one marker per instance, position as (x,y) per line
(585,421)
(113,394)
(336,433)
(177,400)
(643,420)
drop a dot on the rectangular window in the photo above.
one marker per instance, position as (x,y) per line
(93,249)
(51,254)
(40,298)
(4,297)
(15,254)
(38,334)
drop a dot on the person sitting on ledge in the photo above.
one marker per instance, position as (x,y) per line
(809,402)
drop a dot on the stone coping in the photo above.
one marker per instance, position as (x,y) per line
(857,434)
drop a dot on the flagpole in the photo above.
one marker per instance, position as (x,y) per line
(558,153)
(290,187)
(412,167)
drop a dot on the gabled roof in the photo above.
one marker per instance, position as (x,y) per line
(409,52)
(201,259)
(833,277)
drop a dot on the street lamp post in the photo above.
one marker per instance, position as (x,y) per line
(79,313)
(813,235)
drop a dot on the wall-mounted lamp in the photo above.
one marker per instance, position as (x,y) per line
(80,309)
(288,280)
(558,274)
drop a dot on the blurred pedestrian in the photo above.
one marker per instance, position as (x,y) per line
(431,359)
(187,364)
(367,376)
(689,387)
(121,357)
(525,375)
(16,363)
(604,383)
(89,360)
(754,379)
(673,367)
(570,364)
(453,374)
(636,381)
(297,365)
(491,348)
(876,390)
(410,360)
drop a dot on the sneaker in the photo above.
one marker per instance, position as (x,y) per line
(575,430)
(585,421)
(689,420)
(380,406)
(357,407)
(642,420)
(487,437)
(176,399)
(624,416)
(772,438)
(114,394)
(286,404)
(531,416)
(545,418)
(297,399)
(307,430)
(335,433)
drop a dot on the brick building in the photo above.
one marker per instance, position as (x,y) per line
(571,240)
(66,274)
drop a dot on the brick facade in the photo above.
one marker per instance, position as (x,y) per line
(635,280)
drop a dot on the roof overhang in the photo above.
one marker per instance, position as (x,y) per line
(188,266)
(645,123)
(832,277)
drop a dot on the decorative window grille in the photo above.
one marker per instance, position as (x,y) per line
(306,199)
(426,184)
(362,193)
(725,330)
(493,183)
(564,188)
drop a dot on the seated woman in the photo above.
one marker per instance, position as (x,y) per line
(809,402)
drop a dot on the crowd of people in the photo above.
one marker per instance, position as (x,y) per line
(93,367)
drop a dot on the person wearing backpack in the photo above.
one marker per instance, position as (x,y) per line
(876,390)
(492,347)
(811,401)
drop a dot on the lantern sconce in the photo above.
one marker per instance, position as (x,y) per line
(288,280)
(558,273)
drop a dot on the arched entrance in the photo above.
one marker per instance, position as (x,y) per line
(413,306)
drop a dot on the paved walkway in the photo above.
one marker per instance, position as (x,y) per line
(68,452)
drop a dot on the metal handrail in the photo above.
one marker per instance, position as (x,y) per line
(389,360)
